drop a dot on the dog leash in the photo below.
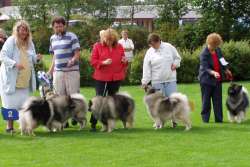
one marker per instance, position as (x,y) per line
(105,89)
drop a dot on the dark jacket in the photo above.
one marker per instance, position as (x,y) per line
(207,65)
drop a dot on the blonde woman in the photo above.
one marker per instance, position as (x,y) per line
(17,75)
(109,63)
(212,66)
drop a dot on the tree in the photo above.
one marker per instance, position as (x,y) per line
(172,10)
(36,11)
(65,7)
(224,16)
(100,9)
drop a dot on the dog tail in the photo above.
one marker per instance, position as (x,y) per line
(191,104)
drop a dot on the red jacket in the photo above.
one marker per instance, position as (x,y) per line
(113,72)
(216,64)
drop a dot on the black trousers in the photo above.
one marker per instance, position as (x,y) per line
(103,88)
(213,93)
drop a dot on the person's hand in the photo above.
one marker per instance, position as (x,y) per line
(39,56)
(71,62)
(128,49)
(215,74)
(19,66)
(124,60)
(144,86)
(173,67)
(107,62)
(229,75)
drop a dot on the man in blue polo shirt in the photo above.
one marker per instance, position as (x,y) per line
(65,48)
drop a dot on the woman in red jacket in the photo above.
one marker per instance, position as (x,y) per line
(109,63)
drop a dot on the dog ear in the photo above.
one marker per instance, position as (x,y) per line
(175,101)
(237,88)
(90,105)
(151,90)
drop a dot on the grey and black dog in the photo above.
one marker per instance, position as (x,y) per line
(108,109)
(237,102)
(52,113)
(161,108)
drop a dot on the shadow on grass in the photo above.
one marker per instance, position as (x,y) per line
(119,133)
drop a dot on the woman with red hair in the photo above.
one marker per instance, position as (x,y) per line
(212,67)
(109,63)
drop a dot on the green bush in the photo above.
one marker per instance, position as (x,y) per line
(86,69)
(188,36)
(136,68)
(189,66)
(238,56)
(41,39)
(167,32)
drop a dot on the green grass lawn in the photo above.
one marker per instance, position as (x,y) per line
(204,145)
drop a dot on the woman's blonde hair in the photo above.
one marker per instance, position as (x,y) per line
(102,35)
(214,40)
(20,43)
(111,35)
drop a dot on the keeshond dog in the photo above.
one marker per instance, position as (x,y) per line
(237,103)
(175,107)
(52,113)
(108,109)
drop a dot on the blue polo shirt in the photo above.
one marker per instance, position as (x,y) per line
(63,48)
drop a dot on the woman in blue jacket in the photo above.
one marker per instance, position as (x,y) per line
(212,67)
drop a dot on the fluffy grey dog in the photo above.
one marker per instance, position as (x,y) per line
(108,109)
(161,108)
(237,103)
(52,113)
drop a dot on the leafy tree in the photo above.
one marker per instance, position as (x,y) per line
(65,7)
(100,9)
(172,10)
(36,11)
(225,16)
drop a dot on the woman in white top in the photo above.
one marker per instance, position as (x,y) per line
(159,66)
(128,45)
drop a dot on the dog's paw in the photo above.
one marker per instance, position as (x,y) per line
(104,129)
(154,125)
(187,128)
(239,121)
(158,127)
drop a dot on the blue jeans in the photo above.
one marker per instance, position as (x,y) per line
(167,88)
